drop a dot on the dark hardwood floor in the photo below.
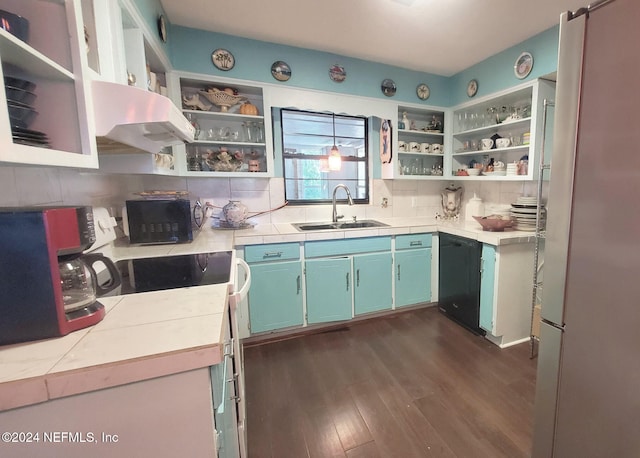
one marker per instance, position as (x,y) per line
(412,385)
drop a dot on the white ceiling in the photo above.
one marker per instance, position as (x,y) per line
(433,36)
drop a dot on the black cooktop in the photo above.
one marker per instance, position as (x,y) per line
(169,272)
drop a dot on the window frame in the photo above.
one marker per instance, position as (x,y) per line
(317,157)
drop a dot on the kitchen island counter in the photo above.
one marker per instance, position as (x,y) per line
(142,336)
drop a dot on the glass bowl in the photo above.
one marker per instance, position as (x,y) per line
(494,223)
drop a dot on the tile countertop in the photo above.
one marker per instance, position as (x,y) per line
(285,232)
(142,336)
(149,335)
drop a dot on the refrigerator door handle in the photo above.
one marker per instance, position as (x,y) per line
(555,325)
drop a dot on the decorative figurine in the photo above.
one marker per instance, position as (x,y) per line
(405,121)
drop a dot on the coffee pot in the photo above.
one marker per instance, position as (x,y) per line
(79,280)
(451,201)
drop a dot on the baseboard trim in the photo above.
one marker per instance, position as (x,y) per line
(292,333)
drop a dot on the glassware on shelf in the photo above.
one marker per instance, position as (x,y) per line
(194,122)
(194,161)
(254,132)
(246,132)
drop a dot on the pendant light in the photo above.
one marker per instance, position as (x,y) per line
(335,161)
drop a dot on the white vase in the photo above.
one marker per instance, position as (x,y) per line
(475,207)
(235,213)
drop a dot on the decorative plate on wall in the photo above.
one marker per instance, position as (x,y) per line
(423,91)
(523,65)
(337,73)
(388,87)
(162,28)
(281,71)
(223,59)
(472,88)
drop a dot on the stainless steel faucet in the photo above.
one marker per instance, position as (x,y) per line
(335,216)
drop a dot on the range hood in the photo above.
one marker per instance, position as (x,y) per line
(129,118)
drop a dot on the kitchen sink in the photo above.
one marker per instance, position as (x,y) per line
(339,225)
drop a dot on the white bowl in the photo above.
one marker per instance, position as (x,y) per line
(473,172)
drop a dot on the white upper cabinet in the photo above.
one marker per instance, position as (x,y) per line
(46,89)
(122,49)
(233,128)
(129,53)
(418,144)
(503,129)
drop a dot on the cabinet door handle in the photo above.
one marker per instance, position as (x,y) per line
(298,285)
(348,281)
(398,272)
(416,243)
(272,254)
(358,277)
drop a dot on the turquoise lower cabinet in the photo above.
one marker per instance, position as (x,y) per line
(413,276)
(275,297)
(372,291)
(329,289)
(487,286)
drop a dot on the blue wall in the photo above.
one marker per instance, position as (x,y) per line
(150,10)
(191,51)
(496,72)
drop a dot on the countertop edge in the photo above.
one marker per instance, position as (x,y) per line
(68,383)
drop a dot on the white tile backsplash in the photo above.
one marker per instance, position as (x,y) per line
(8,188)
(256,201)
(40,186)
(406,198)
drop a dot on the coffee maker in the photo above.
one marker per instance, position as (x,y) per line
(48,288)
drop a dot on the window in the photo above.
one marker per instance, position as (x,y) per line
(307,138)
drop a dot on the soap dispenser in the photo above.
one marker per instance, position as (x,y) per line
(475,207)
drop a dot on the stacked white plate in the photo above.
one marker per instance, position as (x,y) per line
(525,211)
(512,169)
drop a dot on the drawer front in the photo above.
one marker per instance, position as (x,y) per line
(272,252)
(346,246)
(409,241)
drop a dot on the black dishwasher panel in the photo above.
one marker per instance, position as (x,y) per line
(459,280)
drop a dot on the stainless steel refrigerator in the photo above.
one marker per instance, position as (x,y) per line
(588,384)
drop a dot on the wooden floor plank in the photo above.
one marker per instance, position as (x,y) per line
(415,384)
(368,450)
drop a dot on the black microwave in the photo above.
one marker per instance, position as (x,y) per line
(161,221)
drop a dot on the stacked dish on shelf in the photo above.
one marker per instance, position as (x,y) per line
(525,211)
(20,96)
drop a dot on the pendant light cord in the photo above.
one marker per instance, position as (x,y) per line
(333,122)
